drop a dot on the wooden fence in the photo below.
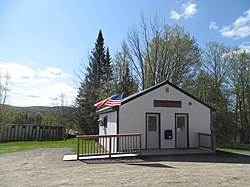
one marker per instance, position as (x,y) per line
(93,145)
(206,141)
(14,132)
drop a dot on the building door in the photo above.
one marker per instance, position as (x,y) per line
(181,123)
(153,131)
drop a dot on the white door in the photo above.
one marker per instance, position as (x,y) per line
(181,130)
(153,131)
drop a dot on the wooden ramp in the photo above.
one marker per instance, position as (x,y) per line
(145,153)
(74,157)
(158,152)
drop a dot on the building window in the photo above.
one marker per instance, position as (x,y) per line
(105,122)
(152,123)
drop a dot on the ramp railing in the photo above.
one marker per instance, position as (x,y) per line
(93,145)
(206,141)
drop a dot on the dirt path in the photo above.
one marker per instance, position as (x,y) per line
(44,167)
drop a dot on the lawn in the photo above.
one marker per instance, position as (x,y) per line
(27,145)
(235,148)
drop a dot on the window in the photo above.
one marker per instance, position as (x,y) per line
(181,123)
(152,123)
(105,121)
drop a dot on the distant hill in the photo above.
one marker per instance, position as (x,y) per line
(30,109)
(34,109)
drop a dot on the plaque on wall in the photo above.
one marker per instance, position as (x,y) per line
(167,103)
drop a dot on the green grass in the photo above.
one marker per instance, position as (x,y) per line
(235,148)
(27,145)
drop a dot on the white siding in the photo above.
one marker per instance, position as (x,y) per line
(111,129)
(112,126)
(132,118)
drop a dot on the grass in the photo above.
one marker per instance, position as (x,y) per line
(235,148)
(27,145)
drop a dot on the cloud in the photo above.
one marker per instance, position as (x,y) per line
(18,72)
(35,87)
(240,28)
(245,46)
(213,25)
(175,15)
(52,73)
(187,11)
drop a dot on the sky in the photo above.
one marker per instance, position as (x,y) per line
(43,42)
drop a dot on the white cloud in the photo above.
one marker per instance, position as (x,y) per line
(32,87)
(19,73)
(240,28)
(213,25)
(52,73)
(174,15)
(245,46)
(187,11)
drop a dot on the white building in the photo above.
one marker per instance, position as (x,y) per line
(165,115)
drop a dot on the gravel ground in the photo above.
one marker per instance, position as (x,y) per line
(44,167)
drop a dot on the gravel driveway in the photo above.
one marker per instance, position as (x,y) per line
(44,167)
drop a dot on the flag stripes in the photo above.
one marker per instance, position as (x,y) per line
(111,101)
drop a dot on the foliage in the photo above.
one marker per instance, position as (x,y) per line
(162,52)
(5,86)
(223,82)
(124,80)
(94,87)
(154,52)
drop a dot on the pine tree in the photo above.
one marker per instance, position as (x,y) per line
(124,81)
(107,87)
(90,90)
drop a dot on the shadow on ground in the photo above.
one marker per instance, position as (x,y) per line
(148,161)
(220,157)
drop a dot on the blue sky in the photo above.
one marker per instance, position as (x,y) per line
(42,42)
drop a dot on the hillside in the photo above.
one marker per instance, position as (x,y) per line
(30,109)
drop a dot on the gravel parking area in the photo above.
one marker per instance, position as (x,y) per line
(44,167)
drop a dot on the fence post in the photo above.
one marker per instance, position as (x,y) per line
(199,141)
(140,145)
(213,142)
(78,147)
(110,148)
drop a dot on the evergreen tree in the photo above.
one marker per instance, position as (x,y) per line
(107,87)
(91,89)
(124,81)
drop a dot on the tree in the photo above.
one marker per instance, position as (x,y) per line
(162,52)
(239,77)
(90,91)
(124,81)
(61,114)
(5,86)
(106,88)
(216,65)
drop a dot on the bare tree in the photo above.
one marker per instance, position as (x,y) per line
(5,86)
(161,52)
(63,113)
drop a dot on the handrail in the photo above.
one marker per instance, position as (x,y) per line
(113,135)
(90,145)
(206,141)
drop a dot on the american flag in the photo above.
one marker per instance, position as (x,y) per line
(111,101)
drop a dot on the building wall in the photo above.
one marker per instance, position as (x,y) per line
(111,129)
(111,126)
(132,118)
